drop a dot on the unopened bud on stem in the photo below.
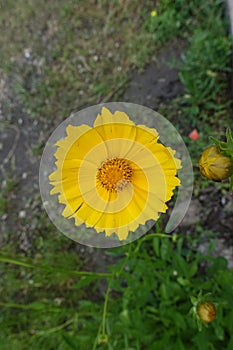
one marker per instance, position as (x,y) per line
(215,165)
(206,311)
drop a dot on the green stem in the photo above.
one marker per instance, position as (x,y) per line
(152,235)
(231,183)
(55,329)
(102,334)
(126,341)
(48,268)
(32,307)
(102,330)
(105,307)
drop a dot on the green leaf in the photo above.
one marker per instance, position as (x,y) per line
(220,144)
(229,138)
(54,269)
(166,250)
(84,281)
(37,305)
(179,320)
(219,332)
(32,306)
(70,341)
(155,243)
(218,264)
(163,291)
(181,265)
(231,183)
(179,345)
(16,262)
(192,269)
(193,300)
(183,281)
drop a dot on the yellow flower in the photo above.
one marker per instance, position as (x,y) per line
(153,13)
(211,73)
(214,165)
(115,175)
(206,311)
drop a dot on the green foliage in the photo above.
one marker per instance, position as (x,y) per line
(206,62)
(158,304)
(204,71)
(146,304)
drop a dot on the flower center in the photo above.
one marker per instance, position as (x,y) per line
(115,174)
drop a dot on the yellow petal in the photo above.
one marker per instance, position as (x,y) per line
(106,117)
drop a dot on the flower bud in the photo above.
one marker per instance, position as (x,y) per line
(103,339)
(215,165)
(206,311)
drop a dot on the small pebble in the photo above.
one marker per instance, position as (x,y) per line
(4,217)
(58,301)
(223,200)
(22,214)
(27,53)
